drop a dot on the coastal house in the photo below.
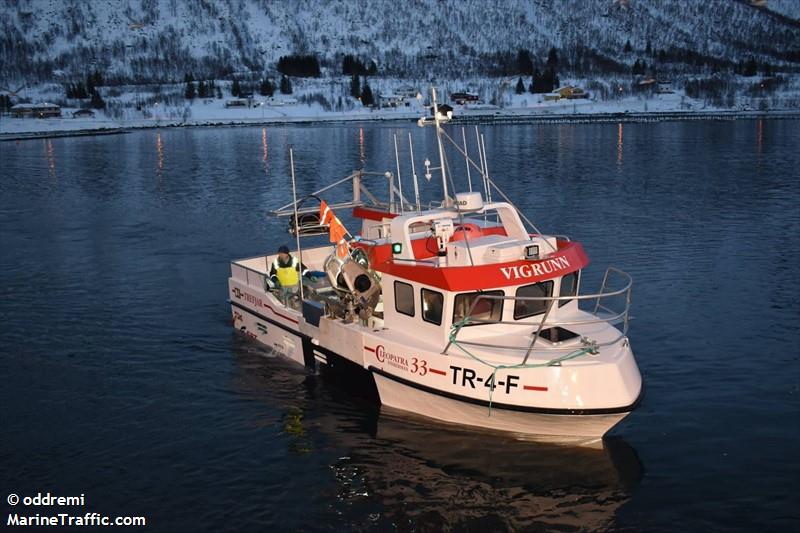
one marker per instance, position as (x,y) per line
(445,111)
(38,110)
(645,84)
(571,93)
(273,101)
(461,98)
(664,87)
(392,100)
(407,91)
(237,102)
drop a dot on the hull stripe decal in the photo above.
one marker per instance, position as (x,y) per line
(290,319)
(435,371)
(532,387)
(367,348)
(270,320)
(509,407)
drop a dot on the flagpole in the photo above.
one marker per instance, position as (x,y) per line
(296,224)
(399,180)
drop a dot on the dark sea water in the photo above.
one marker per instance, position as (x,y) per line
(122,379)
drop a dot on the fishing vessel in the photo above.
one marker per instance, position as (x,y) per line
(462,311)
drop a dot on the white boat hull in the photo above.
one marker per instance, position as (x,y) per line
(573,428)
(280,340)
(568,426)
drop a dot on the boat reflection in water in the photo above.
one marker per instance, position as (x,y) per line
(394,472)
(451,478)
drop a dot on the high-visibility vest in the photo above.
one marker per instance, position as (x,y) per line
(287,276)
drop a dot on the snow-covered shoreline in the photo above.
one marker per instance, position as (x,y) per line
(27,128)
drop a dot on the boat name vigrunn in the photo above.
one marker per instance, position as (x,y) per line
(535,269)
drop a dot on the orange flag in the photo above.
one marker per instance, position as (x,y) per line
(337,231)
(325,213)
(335,227)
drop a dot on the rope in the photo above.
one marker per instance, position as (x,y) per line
(589,348)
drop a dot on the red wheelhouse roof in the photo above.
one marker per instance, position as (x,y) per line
(569,258)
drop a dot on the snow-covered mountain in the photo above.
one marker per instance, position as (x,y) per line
(162,40)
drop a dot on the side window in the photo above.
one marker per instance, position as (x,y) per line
(404,298)
(486,310)
(526,308)
(569,287)
(432,304)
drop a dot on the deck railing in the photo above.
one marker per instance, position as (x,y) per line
(602,312)
(251,277)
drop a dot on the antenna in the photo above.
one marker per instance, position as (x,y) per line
(466,157)
(399,180)
(480,159)
(486,171)
(414,172)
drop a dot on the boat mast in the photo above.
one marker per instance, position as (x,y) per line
(437,122)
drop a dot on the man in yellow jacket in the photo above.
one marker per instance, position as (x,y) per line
(286,270)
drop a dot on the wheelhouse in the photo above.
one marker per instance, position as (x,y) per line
(479,270)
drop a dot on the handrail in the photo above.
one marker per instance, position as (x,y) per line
(358,187)
(565,348)
(248,270)
(543,323)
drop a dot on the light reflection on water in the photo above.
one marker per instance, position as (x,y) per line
(51,158)
(264,149)
(362,153)
(120,367)
(160,154)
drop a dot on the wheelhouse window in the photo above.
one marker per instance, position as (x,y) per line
(404,298)
(432,305)
(569,287)
(485,310)
(527,308)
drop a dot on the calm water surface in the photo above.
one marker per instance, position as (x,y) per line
(122,379)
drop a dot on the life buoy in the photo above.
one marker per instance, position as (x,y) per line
(466,232)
